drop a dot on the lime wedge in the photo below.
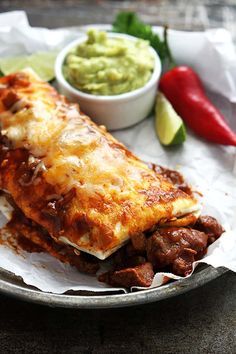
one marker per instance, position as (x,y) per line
(42,63)
(170,128)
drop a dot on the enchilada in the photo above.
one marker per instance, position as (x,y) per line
(74,179)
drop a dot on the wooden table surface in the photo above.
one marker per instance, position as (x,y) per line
(201,321)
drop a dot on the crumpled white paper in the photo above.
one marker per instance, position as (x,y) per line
(209,168)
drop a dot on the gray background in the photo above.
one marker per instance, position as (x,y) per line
(201,321)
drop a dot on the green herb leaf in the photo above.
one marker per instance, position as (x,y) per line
(129,23)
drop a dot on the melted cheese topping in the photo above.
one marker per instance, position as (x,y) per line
(116,193)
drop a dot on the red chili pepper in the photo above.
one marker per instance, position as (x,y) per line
(183,88)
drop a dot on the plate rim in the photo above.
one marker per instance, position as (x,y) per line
(111,300)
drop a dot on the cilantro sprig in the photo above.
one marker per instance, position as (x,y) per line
(130,23)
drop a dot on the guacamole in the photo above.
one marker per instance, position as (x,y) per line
(108,66)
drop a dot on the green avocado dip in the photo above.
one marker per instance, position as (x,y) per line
(108,66)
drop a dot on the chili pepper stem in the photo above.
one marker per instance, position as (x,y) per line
(171,62)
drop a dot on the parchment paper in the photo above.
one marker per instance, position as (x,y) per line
(209,168)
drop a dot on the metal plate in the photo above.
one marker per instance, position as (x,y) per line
(13,286)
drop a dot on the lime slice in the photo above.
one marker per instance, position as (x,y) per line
(12,64)
(42,63)
(169,126)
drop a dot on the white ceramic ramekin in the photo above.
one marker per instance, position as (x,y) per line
(118,111)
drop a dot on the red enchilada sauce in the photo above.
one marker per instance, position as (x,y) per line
(171,249)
